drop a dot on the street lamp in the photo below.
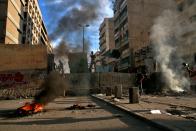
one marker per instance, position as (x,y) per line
(83,26)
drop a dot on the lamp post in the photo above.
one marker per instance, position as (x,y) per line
(83,27)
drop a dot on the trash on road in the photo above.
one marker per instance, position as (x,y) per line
(155,112)
(100,95)
(116,100)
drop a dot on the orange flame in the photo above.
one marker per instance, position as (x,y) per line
(29,108)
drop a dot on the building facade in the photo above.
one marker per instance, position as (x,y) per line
(187,21)
(11,21)
(44,40)
(34,31)
(107,43)
(21,23)
(133,20)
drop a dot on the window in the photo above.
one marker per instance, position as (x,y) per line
(23,40)
(25,15)
(125,60)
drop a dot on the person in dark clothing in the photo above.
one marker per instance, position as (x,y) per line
(187,68)
(92,64)
(139,82)
(141,77)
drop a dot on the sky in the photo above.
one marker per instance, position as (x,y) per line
(62,17)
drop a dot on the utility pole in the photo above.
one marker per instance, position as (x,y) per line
(83,28)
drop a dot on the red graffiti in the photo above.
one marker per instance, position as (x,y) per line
(17,77)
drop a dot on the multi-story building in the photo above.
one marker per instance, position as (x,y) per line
(107,43)
(133,20)
(21,23)
(44,40)
(99,65)
(33,23)
(11,21)
(187,21)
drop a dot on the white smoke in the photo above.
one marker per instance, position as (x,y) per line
(167,40)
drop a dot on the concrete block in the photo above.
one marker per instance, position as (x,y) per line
(133,95)
(118,92)
(102,90)
(108,91)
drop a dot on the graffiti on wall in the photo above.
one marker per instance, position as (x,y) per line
(12,79)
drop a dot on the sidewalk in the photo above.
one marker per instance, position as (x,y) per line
(177,113)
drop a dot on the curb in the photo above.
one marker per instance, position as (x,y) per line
(158,125)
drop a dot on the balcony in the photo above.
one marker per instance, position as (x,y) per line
(120,21)
(124,43)
(102,49)
(122,6)
(102,41)
(117,44)
(101,36)
(125,53)
(116,35)
(123,66)
(102,32)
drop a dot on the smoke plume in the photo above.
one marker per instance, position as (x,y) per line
(69,14)
(168,44)
(61,55)
(53,86)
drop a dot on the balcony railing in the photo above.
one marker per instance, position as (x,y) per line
(124,42)
(116,35)
(123,4)
(125,53)
(124,65)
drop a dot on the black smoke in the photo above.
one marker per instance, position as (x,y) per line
(71,14)
(52,87)
(62,49)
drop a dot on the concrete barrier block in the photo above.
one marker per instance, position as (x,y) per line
(133,95)
(108,91)
(118,92)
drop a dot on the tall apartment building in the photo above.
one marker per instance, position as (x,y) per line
(21,23)
(107,42)
(133,20)
(187,20)
(11,21)
(34,29)
(33,22)
(44,40)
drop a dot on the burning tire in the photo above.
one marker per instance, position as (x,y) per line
(29,109)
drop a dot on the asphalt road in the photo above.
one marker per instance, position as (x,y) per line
(57,118)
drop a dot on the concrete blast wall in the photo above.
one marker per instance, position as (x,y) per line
(22,70)
(93,83)
(77,83)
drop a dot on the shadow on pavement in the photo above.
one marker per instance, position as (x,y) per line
(62,120)
(8,114)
